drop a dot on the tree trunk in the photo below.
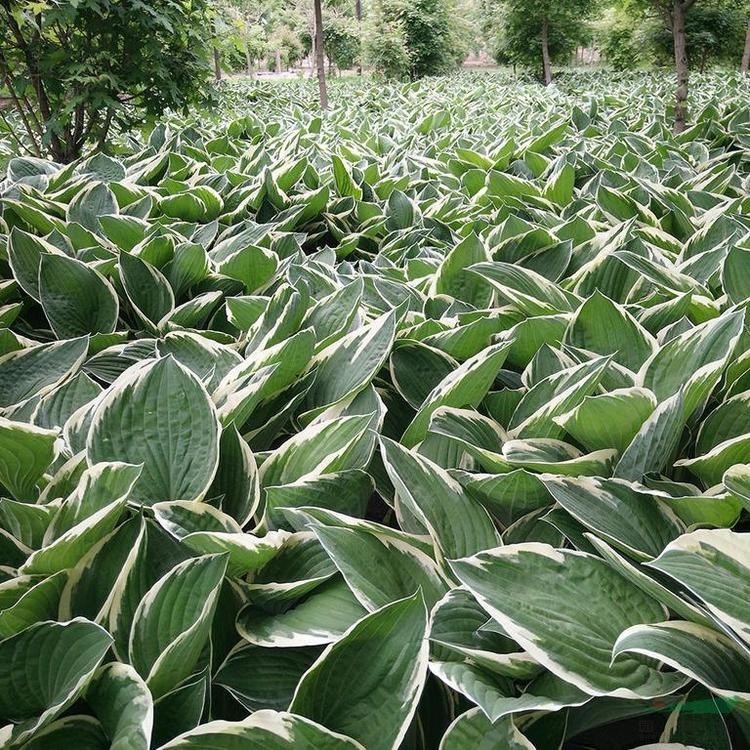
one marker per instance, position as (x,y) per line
(278,61)
(358,16)
(681,66)
(745,67)
(546,62)
(217,64)
(319,59)
(249,62)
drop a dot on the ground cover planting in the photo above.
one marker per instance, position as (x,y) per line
(420,423)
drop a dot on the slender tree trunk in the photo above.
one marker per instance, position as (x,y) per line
(681,66)
(358,16)
(249,62)
(278,61)
(745,66)
(546,62)
(313,55)
(319,59)
(217,64)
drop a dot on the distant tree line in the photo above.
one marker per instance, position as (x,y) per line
(73,70)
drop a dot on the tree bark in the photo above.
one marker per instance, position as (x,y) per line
(319,59)
(249,62)
(358,16)
(546,62)
(745,66)
(217,64)
(278,61)
(682,70)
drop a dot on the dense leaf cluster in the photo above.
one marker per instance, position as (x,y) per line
(423,424)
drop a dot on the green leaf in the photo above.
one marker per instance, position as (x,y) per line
(700,354)
(632,521)
(322,618)
(67,550)
(703,654)
(95,200)
(25,253)
(26,453)
(459,525)
(123,705)
(320,448)
(465,386)
(715,566)
(655,442)
(37,370)
(148,291)
(173,622)
(609,420)
(262,678)
(43,670)
(602,326)
(367,684)
(76,298)
(380,569)
(344,368)
(27,600)
(263,730)
(247,553)
(474,731)
(538,605)
(159,415)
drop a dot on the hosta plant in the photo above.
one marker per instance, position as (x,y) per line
(422,424)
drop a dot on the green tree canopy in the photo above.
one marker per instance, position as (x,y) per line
(414,38)
(76,67)
(537,32)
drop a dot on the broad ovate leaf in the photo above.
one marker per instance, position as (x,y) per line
(43,670)
(537,593)
(367,684)
(158,414)
(173,622)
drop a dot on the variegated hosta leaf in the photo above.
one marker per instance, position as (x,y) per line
(43,670)
(713,565)
(703,654)
(459,525)
(263,729)
(474,731)
(26,452)
(631,520)
(368,683)
(173,621)
(160,416)
(123,705)
(380,569)
(534,592)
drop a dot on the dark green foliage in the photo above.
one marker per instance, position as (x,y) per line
(413,39)
(520,24)
(341,41)
(714,32)
(78,66)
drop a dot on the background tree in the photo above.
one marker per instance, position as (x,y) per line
(539,32)
(320,54)
(75,68)
(414,38)
(620,39)
(385,40)
(341,41)
(714,34)
(673,15)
